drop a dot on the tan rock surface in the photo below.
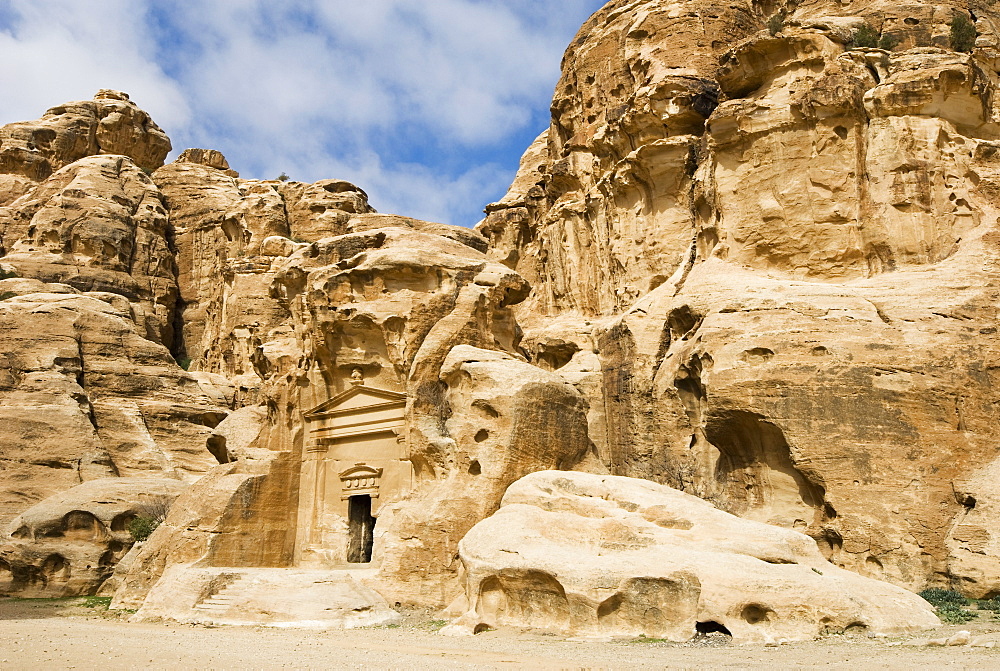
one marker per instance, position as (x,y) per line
(769,262)
(285,597)
(99,225)
(70,543)
(584,554)
(30,151)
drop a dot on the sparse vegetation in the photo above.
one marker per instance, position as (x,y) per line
(938,597)
(149,517)
(434,625)
(776,23)
(142,528)
(888,42)
(97,602)
(7,274)
(950,605)
(963,33)
(865,38)
(952,614)
(283,177)
(184,362)
(7,294)
(990,604)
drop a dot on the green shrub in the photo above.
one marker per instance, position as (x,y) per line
(990,604)
(184,362)
(142,528)
(865,38)
(963,33)
(950,605)
(938,597)
(7,294)
(951,613)
(776,23)
(283,177)
(7,274)
(888,42)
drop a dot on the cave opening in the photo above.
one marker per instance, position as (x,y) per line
(711,627)
(756,472)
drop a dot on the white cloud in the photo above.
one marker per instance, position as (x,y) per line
(62,50)
(416,100)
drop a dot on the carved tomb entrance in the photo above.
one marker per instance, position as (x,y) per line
(354,463)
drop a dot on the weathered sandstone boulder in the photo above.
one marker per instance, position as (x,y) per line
(287,598)
(30,151)
(70,543)
(593,555)
(506,419)
(229,518)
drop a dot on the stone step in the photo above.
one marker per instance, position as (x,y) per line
(222,600)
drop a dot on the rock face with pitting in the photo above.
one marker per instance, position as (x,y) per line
(84,396)
(70,543)
(31,151)
(593,555)
(98,224)
(778,255)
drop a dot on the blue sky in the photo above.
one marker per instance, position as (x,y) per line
(425,104)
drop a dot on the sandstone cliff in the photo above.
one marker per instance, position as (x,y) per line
(756,265)
(782,250)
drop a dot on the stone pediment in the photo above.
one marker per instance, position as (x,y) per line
(357,399)
(359,411)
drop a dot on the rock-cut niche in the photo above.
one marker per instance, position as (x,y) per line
(755,474)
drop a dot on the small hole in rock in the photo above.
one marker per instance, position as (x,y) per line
(482,435)
(755,614)
(475,468)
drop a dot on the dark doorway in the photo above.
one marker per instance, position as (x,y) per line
(362,529)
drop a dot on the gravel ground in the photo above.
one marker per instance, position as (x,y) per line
(66,635)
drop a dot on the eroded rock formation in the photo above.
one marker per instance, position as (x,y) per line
(600,556)
(781,248)
(750,260)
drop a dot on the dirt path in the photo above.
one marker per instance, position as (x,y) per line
(58,635)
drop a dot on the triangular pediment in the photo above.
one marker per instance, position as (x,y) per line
(356,398)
